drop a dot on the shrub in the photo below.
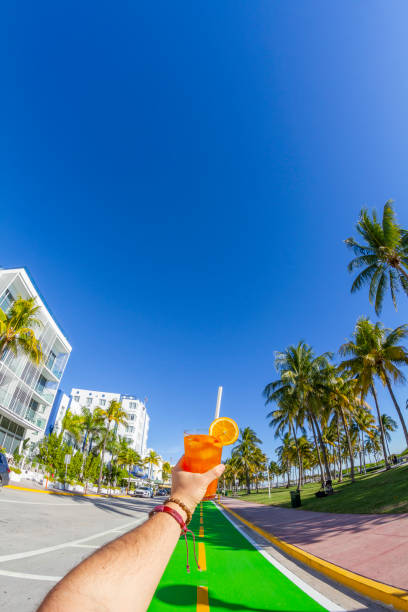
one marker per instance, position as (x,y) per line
(15,469)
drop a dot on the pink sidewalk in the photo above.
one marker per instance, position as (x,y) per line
(372,545)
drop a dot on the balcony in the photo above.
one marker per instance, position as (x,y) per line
(32,416)
(44,395)
(52,367)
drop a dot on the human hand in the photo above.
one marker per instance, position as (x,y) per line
(190,487)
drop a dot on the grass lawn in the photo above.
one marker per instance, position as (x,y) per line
(379,493)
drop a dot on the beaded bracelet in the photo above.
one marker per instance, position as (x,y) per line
(183,506)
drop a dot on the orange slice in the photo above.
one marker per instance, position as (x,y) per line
(225,430)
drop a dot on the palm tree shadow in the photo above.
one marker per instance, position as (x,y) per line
(178,595)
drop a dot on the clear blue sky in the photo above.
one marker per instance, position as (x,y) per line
(178,177)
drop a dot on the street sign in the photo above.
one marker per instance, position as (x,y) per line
(67,459)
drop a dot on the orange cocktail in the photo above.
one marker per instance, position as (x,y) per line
(201,453)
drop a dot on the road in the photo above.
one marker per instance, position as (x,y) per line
(43,536)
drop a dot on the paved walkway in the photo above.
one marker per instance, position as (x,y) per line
(372,545)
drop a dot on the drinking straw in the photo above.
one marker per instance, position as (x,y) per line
(217,409)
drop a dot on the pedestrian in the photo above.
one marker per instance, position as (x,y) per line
(123,575)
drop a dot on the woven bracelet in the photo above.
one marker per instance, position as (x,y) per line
(183,506)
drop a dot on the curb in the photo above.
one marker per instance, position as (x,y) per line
(391,596)
(56,492)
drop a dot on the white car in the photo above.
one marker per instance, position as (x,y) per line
(142,492)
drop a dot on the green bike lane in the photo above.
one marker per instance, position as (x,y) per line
(237,575)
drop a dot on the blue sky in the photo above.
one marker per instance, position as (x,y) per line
(179,178)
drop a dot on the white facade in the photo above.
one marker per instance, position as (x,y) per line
(27,391)
(137,425)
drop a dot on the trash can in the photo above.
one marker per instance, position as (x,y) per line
(295,499)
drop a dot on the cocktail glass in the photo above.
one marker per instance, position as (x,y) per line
(201,453)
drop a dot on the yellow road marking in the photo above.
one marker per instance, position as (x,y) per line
(201,520)
(202,599)
(56,492)
(201,556)
(201,534)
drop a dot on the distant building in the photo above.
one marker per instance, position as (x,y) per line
(27,391)
(137,424)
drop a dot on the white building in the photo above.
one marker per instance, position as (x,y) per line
(27,391)
(137,424)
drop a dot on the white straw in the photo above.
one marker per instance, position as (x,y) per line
(217,409)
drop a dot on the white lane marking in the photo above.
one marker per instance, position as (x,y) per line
(41,551)
(15,501)
(321,599)
(29,576)
(85,546)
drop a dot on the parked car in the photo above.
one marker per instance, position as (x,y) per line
(4,471)
(162,492)
(142,492)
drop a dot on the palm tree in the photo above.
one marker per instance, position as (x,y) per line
(166,471)
(383,254)
(285,454)
(129,457)
(17,330)
(273,469)
(72,424)
(91,423)
(388,424)
(285,416)
(113,414)
(365,424)
(376,351)
(300,373)
(244,451)
(259,465)
(152,459)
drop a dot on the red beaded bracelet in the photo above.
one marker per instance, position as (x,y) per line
(177,517)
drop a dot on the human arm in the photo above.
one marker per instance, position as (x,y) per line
(123,575)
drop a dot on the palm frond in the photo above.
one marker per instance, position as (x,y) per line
(391,230)
(382,285)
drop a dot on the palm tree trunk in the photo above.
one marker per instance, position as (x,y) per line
(299,484)
(317,448)
(102,457)
(248,482)
(323,447)
(339,451)
(397,408)
(350,448)
(374,394)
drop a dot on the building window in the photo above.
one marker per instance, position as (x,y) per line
(131,417)
(130,429)
(6,301)
(89,401)
(76,398)
(103,395)
(102,402)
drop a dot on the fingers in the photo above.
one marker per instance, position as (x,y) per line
(214,473)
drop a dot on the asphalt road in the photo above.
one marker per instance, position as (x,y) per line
(44,535)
